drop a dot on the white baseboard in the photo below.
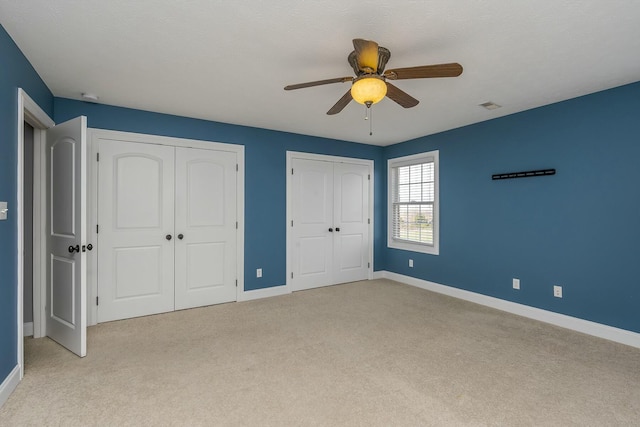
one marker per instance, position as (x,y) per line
(9,384)
(27,329)
(273,291)
(580,325)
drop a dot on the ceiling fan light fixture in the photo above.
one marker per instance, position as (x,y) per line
(368,60)
(368,89)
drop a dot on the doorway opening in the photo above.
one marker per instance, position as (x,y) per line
(27,232)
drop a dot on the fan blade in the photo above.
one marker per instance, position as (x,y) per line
(401,97)
(342,102)
(425,71)
(319,82)
(367,52)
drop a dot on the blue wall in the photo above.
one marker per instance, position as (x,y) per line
(579,228)
(265,174)
(15,72)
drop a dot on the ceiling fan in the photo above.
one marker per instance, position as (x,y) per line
(370,85)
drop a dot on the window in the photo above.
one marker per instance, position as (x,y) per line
(413,203)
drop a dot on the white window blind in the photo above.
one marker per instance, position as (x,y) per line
(413,203)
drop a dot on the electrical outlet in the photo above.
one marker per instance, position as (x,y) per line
(259,272)
(516,283)
(557,291)
(411,263)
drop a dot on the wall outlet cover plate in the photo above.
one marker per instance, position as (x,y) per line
(3,210)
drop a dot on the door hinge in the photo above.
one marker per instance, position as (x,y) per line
(236,225)
(368,265)
(291,171)
(97,301)
(368,220)
(97,228)
(97,157)
(292,223)
(236,167)
(292,274)
(236,283)
(369,177)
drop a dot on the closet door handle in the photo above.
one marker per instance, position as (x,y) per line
(168,237)
(180,236)
(331,230)
(73,249)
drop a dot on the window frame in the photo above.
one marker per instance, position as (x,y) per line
(415,159)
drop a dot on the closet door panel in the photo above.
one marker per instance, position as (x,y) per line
(205,227)
(135,215)
(312,213)
(351,210)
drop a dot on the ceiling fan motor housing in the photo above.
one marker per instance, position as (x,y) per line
(383,57)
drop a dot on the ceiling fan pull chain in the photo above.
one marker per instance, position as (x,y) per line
(366,112)
(370,121)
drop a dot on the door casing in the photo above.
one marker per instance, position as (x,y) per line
(29,111)
(290,236)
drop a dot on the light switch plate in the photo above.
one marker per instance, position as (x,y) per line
(3,210)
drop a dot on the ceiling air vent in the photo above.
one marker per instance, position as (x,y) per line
(490,105)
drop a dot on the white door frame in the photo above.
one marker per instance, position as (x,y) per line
(30,112)
(290,238)
(93,138)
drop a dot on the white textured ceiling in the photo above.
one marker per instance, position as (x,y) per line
(228,61)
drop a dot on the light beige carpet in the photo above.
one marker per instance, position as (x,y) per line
(363,354)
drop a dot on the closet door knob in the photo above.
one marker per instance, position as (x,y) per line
(337,228)
(331,230)
(180,236)
(168,237)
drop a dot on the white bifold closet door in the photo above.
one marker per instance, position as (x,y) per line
(167,218)
(330,206)
(205,227)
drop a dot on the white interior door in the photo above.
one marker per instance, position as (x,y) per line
(66,307)
(351,220)
(136,229)
(206,218)
(313,227)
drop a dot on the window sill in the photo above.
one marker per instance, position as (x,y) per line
(431,250)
